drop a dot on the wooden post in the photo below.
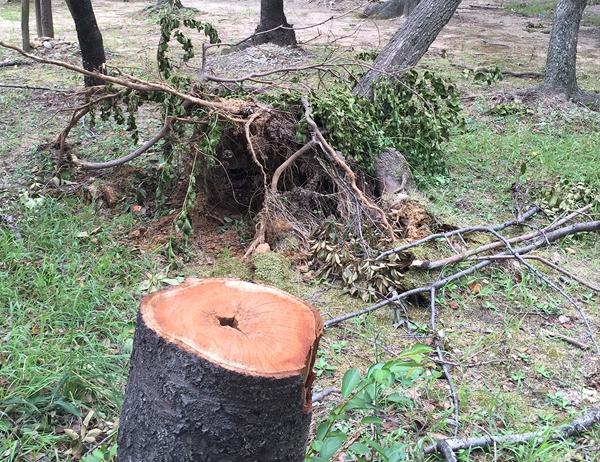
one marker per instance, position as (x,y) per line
(221,370)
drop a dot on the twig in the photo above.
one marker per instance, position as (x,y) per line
(577,426)
(450,363)
(570,340)
(486,7)
(546,262)
(346,169)
(14,63)
(319,396)
(312,143)
(29,87)
(504,72)
(445,366)
(494,43)
(460,231)
(550,283)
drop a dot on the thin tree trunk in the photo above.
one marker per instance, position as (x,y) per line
(221,371)
(90,39)
(25,24)
(46,15)
(273,27)
(560,75)
(410,42)
(38,17)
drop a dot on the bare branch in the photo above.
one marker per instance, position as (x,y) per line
(577,426)
(468,229)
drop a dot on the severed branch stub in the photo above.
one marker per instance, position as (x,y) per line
(221,370)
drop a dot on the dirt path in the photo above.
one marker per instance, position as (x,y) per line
(128,32)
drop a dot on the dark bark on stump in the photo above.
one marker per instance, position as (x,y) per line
(46,18)
(90,39)
(410,42)
(190,401)
(390,9)
(272,16)
(560,74)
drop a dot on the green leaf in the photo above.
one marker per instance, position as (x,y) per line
(67,407)
(370,419)
(359,448)
(349,382)
(330,446)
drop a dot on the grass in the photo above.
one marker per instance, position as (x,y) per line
(534,8)
(67,311)
(68,301)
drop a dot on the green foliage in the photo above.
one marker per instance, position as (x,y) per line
(513,108)
(169,26)
(565,195)
(487,76)
(366,397)
(414,115)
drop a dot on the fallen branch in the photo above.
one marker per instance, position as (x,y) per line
(486,7)
(546,262)
(576,427)
(543,233)
(570,340)
(521,74)
(319,396)
(549,282)
(436,285)
(445,366)
(344,166)
(494,43)
(29,87)
(469,229)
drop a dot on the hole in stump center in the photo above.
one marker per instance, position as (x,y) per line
(230,322)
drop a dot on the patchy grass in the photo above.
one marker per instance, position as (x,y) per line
(545,7)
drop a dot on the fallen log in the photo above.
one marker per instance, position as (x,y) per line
(221,370)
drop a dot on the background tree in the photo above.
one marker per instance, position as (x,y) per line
(46,18)
(410,42)
(38,17)
(560,75)
(390,9)
(272,17)
(25,24)
(90,38)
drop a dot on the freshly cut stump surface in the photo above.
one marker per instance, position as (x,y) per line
(221,370)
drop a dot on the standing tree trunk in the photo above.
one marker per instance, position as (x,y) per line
(272,17)
(25,25)
(410,42)
(560,75)
(46,18)
(221,371)
(390,9)
(90,39)
(38,17)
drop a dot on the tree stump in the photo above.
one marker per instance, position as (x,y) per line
(221,370)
